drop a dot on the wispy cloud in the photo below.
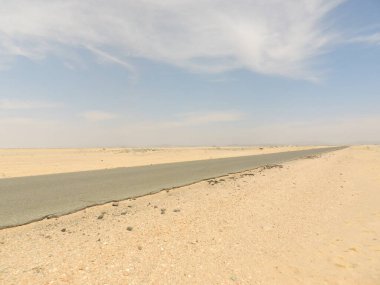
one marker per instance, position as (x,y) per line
(104,56)
(270,37)
(42,133)
(368,39)
(11,104)
(345,130)
(196,118)
(192,119)
(98,116)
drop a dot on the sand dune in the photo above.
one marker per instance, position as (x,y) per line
(313,221)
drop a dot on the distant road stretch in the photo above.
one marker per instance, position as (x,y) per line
(27,199)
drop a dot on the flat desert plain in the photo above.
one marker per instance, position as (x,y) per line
(309,221)
(29,162)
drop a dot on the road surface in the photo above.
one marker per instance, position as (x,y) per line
(27,199)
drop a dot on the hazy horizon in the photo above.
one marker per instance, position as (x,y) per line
(189,73)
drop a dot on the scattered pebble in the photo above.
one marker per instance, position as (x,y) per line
(115,204)
(124,213)
(101,216)
(176,210)
(247,174)
(163,210)
(63,230)
(212,182)
(270,166)
(129,228)
(139,247)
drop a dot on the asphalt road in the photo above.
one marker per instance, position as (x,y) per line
(27,199)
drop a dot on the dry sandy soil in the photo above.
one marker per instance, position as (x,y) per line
(311,221)
(27,162)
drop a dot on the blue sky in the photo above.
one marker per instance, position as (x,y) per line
(152,73)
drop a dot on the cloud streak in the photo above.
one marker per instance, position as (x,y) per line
(98,116)
(369,39)
(28,132)
(269,37)
(10,104)
(198,118)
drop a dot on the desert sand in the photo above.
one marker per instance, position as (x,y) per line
(29,162)
(310,221)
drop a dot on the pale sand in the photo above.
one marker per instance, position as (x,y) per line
(28,162)
(314,221)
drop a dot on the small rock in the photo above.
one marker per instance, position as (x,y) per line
(176,210)
(115,204)
(212,182)
(129,228)
(124,213)
(155,206)
(63,230)
(101,216)
(139,247)
(163,210)
(270,166)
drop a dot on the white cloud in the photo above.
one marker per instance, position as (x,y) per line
(97,116)
(29,132)
(266,36)
(104,56)
(349,130)
(369,39)
(196,118)
(10,104)
(192,119)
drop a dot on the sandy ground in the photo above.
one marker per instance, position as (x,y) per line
(28,162)
(311,221)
